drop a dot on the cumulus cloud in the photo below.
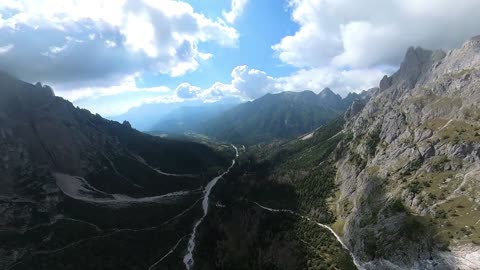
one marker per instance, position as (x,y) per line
(68,60)
(249,83)
(362,34)
(340,81)
(237,8)
(187,91)
(80,44)
(125,84)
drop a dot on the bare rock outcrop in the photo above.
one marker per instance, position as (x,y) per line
(408,174)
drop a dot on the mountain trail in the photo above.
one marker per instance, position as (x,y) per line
(355,261)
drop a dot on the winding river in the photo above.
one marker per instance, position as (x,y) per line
(188,258)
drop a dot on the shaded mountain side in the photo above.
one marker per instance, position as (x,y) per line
(278,116)
(69,179)
(57,134)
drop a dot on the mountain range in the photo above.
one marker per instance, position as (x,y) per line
(279,116)
(274,116)
(385,179)
(190,118)
(175,117)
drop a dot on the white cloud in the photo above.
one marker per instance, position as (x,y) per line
(363,34)
(79,44)
(236,10)
(187,91)
(161,99)
(219,91)
(340,81)
(249,83)
(246,84)
(125,84)
(108,108)
(140,40)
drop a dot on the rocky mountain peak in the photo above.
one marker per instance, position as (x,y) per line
(469,48)
(329,98)
(467,57)
(416,132)
(414,68)
(456,61)
(415,57)
(327,90)
(416,62)
(385,83)
(354,109)
(127,124)
(44,90)
(474,42)
(307,93)
(476,37)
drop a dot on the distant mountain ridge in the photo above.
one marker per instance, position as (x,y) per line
(174,117)
(279,116)
(189,118)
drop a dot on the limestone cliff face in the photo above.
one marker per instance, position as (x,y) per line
(409,178)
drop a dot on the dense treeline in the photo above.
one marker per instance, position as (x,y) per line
(296,175)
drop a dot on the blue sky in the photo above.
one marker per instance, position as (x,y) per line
(110,56)
(262,24)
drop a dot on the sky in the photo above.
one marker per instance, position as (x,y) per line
(112,55)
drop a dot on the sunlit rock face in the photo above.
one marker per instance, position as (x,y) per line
(408,179)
